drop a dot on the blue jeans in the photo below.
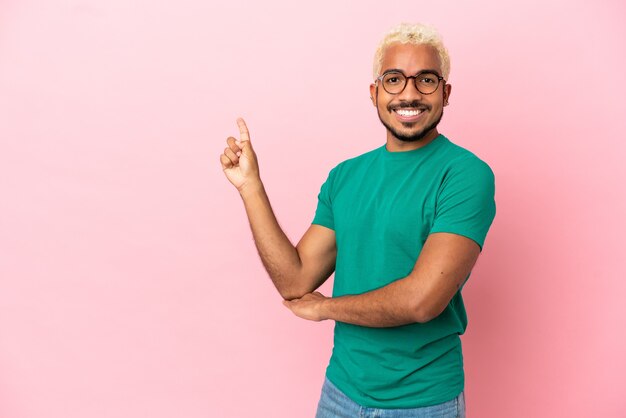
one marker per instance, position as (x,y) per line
(335,404)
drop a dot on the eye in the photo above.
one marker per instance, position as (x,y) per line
(393,79)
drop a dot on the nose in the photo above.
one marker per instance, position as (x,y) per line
(410,92)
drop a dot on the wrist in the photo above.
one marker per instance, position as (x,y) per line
(324,308)
(251,188)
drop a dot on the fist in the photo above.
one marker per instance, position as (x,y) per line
(239,161)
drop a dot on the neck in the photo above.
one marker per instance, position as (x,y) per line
(397,145)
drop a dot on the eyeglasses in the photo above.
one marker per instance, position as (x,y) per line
(394,82)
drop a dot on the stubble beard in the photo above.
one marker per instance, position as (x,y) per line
(417,135)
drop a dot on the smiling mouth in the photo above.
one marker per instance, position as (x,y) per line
(408,112)
(405,114)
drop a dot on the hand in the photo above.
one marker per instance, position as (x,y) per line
(239,161)
(308,306)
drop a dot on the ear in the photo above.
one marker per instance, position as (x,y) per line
(373,94)
(446,93)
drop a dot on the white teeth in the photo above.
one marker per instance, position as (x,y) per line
(404,112)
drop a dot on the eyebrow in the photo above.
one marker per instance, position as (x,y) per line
(397,70)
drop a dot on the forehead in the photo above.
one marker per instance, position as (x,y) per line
(410,58)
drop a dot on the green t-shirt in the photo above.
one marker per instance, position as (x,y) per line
(382,206)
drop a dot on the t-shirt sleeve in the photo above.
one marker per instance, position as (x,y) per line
(324,212)
(465,201)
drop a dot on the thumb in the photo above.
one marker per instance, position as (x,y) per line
(246,146)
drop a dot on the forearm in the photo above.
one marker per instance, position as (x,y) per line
(388,306)
(444,264)
(277,253)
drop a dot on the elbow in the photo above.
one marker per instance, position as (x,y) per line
(425,313)
(290,294)
(422,317)
(296,289)
(288,287)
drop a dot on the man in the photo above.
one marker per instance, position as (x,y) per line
(402,227)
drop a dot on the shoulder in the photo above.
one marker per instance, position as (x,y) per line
(461,161)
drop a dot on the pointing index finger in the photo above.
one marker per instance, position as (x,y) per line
(243,129)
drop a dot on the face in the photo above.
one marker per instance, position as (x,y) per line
(410,59)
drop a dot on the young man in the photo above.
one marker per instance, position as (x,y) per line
(402,227)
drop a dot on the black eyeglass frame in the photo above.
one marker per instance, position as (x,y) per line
(406,80)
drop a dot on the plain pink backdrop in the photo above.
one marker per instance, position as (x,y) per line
(129,282)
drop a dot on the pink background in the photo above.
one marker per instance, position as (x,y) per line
(129,282)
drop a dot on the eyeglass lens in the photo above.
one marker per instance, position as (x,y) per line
(394,83)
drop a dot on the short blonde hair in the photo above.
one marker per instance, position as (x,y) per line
(415,34)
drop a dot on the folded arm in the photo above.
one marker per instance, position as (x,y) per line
(442,267)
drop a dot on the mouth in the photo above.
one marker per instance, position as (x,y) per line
(406,114)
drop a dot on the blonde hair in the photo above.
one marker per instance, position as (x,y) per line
(414,34)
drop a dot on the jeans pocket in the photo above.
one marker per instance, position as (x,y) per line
(460,402)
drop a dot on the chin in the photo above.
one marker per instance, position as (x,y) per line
(411,135)
(406,134)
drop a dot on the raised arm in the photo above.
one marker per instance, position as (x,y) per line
(295,271)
